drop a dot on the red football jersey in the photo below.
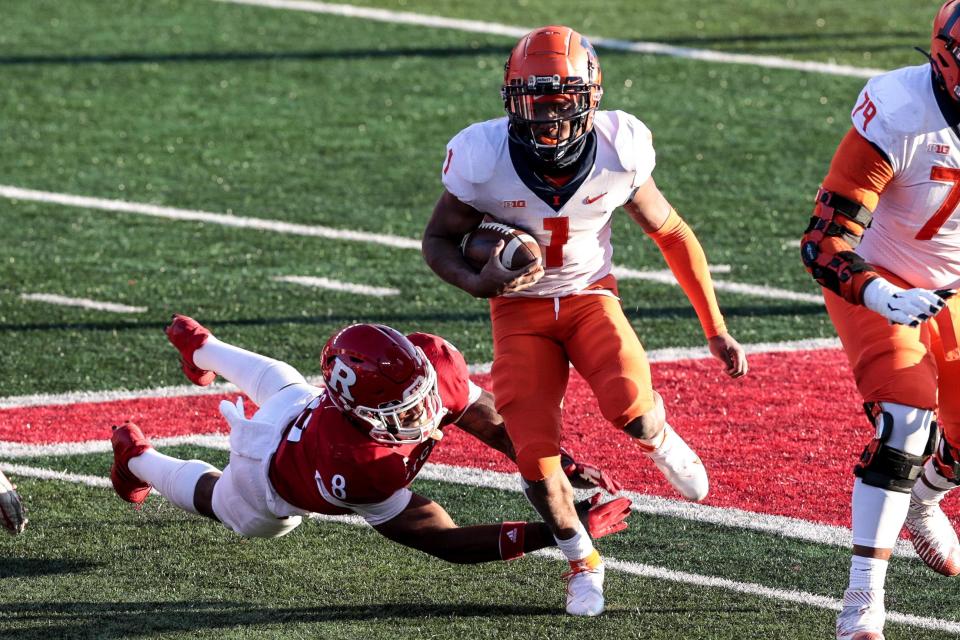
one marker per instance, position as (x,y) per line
(327,455)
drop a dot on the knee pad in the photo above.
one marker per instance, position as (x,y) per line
(905,437)
(946,460)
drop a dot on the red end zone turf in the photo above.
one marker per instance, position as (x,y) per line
(773,442)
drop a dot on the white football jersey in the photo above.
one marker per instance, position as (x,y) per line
(916,227)
(572,223)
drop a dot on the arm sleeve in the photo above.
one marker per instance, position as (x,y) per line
(859,172)
(687,261)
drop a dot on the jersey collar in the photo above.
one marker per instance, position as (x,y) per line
(555,197)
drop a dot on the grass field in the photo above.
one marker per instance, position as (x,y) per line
(323,120)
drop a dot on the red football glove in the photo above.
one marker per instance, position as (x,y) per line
(603,519)
(586,476)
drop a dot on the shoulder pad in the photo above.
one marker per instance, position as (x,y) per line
(888,105)
(632,141)
(471,154)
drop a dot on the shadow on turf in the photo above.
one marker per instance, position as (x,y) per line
(130,619)
(252,56)
(634,314)
(31,567)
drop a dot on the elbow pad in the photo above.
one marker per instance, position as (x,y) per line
(835,229)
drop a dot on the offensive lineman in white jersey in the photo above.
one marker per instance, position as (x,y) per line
(884,241)
(558,168)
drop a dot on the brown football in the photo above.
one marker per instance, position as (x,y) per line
(519,249)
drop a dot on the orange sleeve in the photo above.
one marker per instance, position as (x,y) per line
(685,257)
(859,172)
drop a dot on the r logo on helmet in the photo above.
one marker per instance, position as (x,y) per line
(342,377)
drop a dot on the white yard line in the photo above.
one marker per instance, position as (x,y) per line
(793,528)
(84,303)
(493,28)
(336,285)
(665,276)
(632,568)
(227,220)
(669,354)
(397,242)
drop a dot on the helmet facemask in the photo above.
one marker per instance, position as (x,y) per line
(551,117)
(409,420)
(945,49)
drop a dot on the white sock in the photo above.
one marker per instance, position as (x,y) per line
(867,574)
(656,441)
(175,479)
(578,547)
(931,487)
(257,376)
(878,515)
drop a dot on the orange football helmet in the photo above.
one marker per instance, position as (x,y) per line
(945,47)
(551,89)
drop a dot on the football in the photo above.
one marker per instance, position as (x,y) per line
(519,249)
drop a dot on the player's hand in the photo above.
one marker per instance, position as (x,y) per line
(495,279)
(603,519)
(904,306)
(583,475)
(13,516)
(728,351)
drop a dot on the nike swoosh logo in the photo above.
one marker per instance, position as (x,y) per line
(594,198)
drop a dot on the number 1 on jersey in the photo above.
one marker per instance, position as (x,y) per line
(559,229)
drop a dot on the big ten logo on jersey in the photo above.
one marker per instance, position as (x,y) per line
(514,204)
(866,110)
(417,458)
(939,149)
(343,377)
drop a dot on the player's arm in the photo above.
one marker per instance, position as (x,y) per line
(859,173)
(483,422)
(686,259)
(426,526)
(13,516)
(451,220)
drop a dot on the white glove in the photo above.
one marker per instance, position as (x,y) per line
(903,306)
(13,517)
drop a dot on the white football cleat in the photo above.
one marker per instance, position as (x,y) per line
(681,466)
(933,537)
(585,591)
(862,615)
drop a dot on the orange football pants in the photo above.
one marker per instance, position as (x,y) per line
(896,363)
(534,342)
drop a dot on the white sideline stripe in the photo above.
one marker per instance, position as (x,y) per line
(399,242)
(670,354)
(228,220)
(85,303)
(493,28)
(784,526)
(632,568)
(336,285)
(665,276)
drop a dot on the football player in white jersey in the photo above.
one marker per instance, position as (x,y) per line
(558,168)
(884,242)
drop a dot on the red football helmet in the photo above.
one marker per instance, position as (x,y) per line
(945,47)
(376,375)
(551,89)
